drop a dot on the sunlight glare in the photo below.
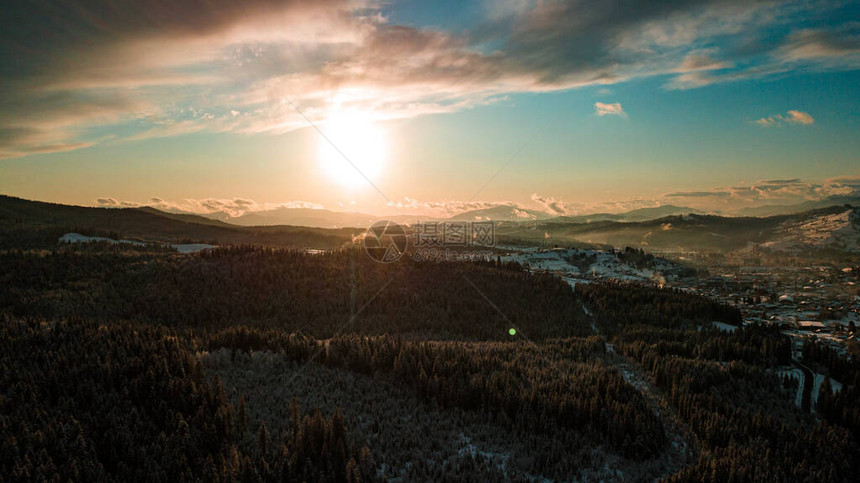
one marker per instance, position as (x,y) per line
(362,141)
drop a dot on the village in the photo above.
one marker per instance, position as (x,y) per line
(820,301)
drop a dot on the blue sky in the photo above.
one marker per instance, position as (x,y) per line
(611,106)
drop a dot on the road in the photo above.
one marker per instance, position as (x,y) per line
(683,447)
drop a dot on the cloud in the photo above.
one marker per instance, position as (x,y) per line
(831,48)
(523,214)
(550,204)
(232,207)
(695,70)
(799,117)
(699,194)
(615,109)
(556,206)
(791,117)
(445,208)
(700,61)
(834,46)
(769,121)
(771,191)
(142,69)
(723,199)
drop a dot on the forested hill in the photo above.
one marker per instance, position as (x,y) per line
(33,224)
(243,363)
(288,290)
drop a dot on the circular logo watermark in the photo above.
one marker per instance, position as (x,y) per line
(385,241)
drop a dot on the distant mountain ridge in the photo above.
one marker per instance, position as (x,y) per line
(323,218)
(36,224)
(33,224)
(640,214)
(304,217)
(833,227)
(770,210)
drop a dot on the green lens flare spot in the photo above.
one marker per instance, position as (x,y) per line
(512,331)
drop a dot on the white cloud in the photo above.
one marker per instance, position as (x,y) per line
(791,117)
(445,208)
(770,192)
(799,117)
(614,109)
(231,206)
(701,60)
(556,206)
(725,199)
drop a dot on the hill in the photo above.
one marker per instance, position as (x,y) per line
(35,224)
(304,217)
(696,232)
(640,214)
(643,214)
(770,210)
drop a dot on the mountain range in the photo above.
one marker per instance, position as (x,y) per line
(323,218)
(835,228)
(34,224)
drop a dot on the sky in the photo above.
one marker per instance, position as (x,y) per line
(429,108)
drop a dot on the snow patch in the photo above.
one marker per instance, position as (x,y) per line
(839,230)
(724,327)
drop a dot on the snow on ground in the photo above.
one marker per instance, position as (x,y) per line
(797,374)
(181,248)
(724,327)
(835,386)
(500,460)
(839,230)
(582,266)
(608,266)
(191,247)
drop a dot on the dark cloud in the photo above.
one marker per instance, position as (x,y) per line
(584,40)
(34,31)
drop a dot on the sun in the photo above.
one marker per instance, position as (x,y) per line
(354,147)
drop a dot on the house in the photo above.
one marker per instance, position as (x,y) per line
(811,325)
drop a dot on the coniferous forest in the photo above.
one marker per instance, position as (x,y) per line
(128,363)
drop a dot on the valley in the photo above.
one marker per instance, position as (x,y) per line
(541,363)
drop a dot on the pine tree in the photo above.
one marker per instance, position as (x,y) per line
(263,440)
